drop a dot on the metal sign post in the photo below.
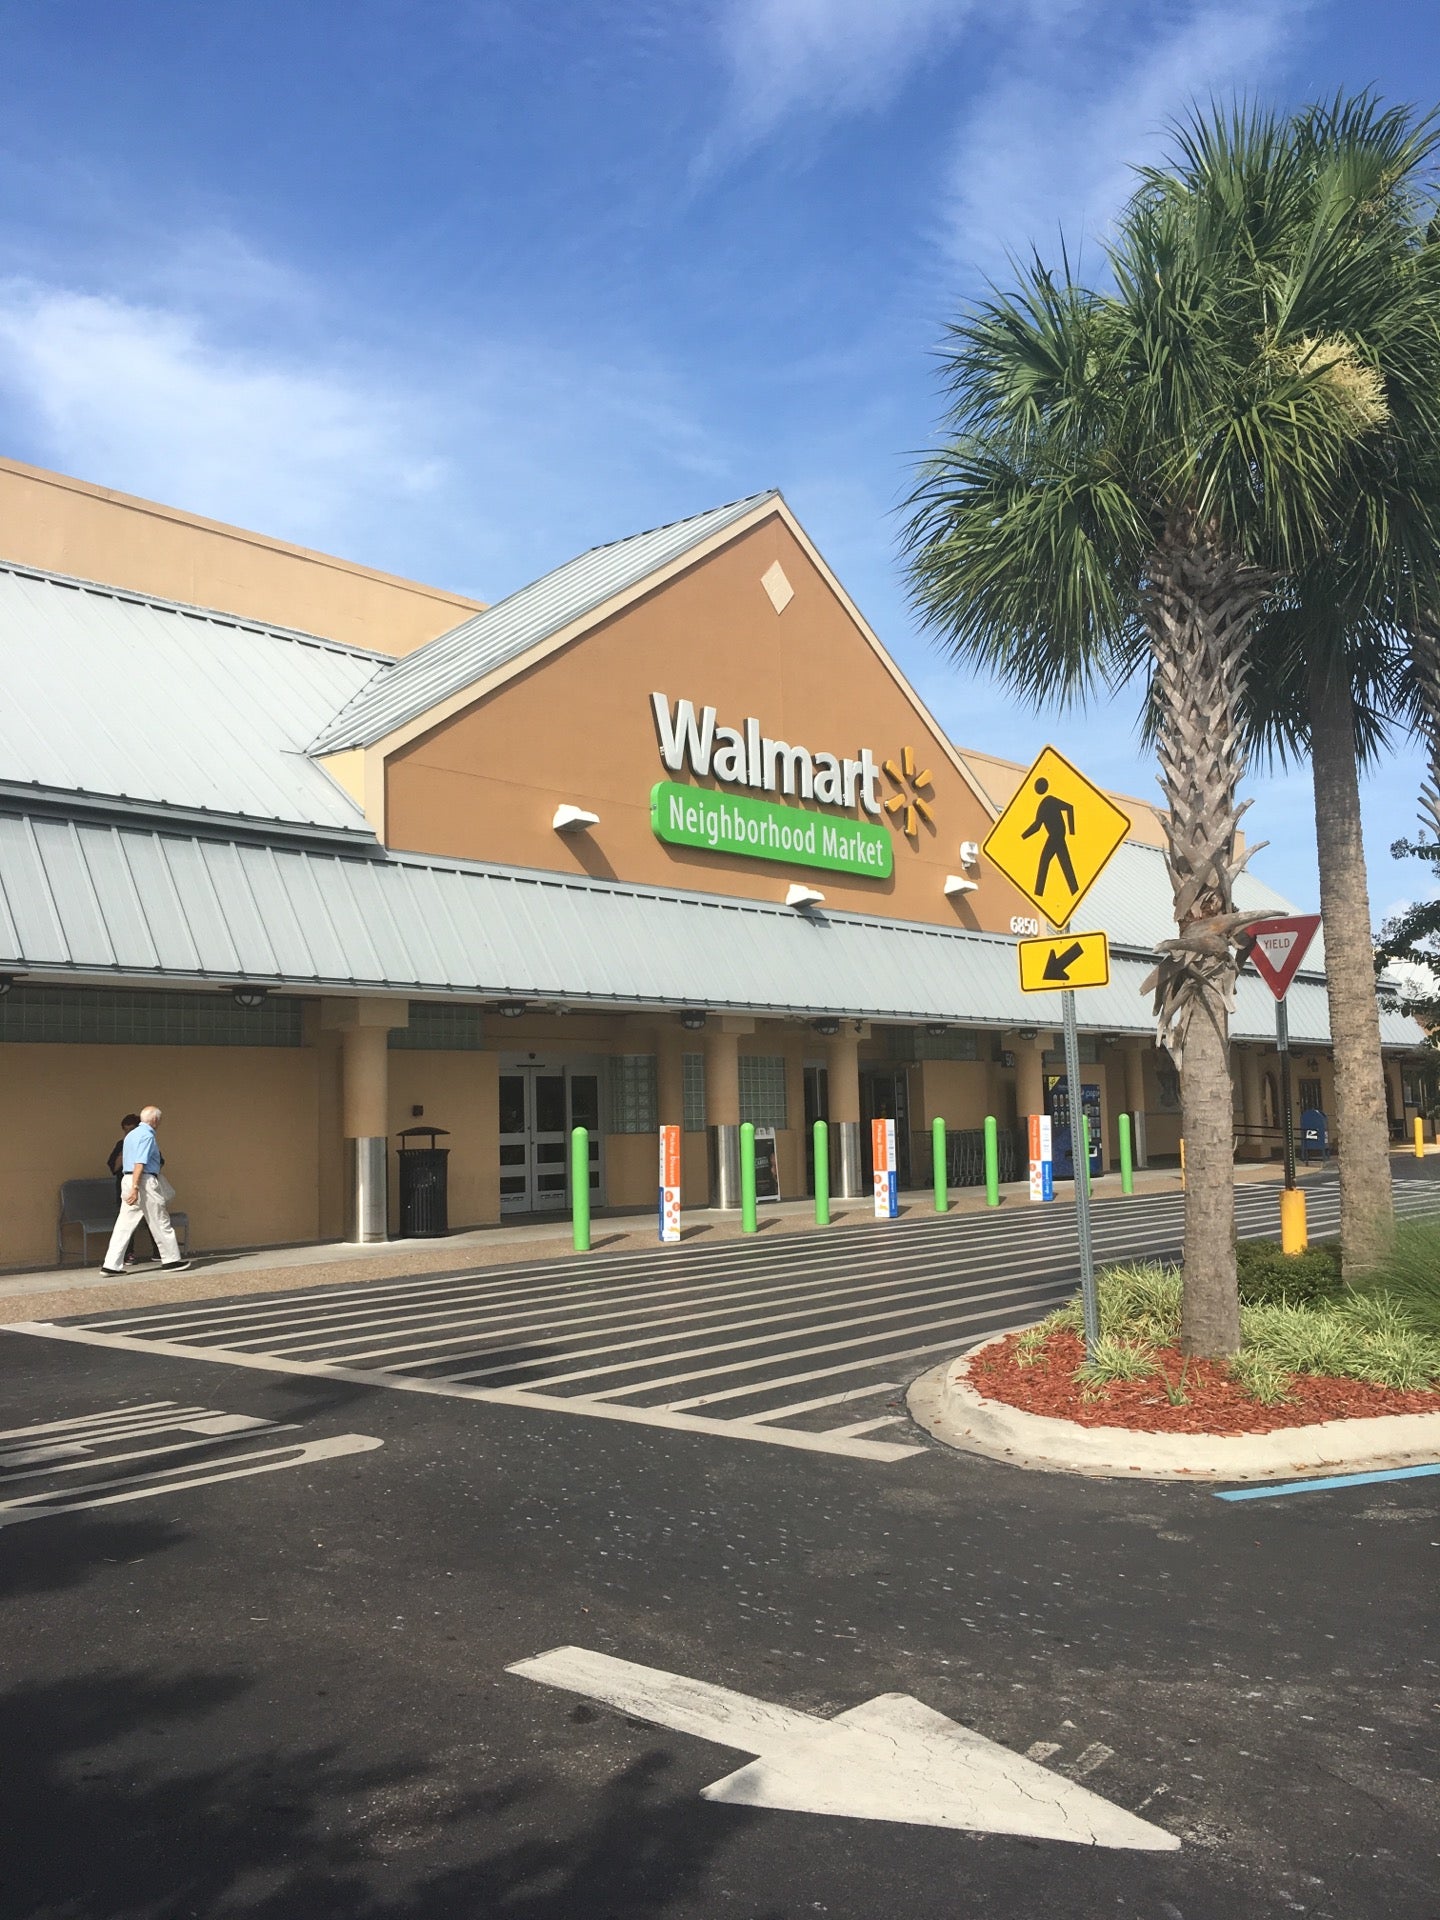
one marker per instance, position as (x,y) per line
(1089,1293)
(1287,1111)
(1277,948)
(1052,843)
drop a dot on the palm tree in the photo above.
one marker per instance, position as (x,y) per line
(1332,673)
(1329,682)
(1131,475)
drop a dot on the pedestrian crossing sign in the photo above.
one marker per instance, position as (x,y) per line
(1055,838)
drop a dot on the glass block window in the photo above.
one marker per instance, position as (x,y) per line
(1089,1054)
(100,1016)
(693,1117)
(762,1089)
(632,1104)
(954,1044)
(440,1026)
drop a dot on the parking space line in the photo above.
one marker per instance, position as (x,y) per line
(1328,1483)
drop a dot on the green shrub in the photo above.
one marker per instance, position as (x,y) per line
(1254,1374)
(1269,1277)
(1410,1274)
(1361,1338)
(1117,1360)
(1030,1346)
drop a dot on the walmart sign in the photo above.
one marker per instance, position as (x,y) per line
(691,817)
(737,824)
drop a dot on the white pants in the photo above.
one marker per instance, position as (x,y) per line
(150,1208)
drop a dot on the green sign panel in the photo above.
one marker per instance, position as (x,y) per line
(695,817)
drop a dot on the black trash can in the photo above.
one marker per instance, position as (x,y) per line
(424,1199)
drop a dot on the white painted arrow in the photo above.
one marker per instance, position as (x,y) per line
(890,1759)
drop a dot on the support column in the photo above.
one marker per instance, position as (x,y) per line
(1135,1098)
(1030,1076)
(1252,1105)
(670,1038)
(843,1081)
(722,1107)
(364,1027)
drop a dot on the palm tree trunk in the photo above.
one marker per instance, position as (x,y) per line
(1199,607)
(1367,1210)
(1210,1314)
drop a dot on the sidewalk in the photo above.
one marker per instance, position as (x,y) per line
(58,1292)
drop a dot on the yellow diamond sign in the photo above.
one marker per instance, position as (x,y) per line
(1055,838)
(1064,960)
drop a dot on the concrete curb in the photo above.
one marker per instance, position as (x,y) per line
(945,1404)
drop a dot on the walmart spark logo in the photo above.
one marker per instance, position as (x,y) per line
(910,799)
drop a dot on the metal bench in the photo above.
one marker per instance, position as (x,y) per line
(89,1205)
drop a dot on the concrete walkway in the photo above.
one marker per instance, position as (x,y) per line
(57,1292)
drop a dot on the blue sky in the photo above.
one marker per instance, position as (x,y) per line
(460,289)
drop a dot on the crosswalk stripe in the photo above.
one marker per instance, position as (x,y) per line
(757,1339)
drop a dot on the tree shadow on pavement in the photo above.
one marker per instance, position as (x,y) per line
(102,1819)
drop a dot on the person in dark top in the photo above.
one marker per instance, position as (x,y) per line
(142,1247)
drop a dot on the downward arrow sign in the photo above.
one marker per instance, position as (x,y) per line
(1058,965)
(890,1759)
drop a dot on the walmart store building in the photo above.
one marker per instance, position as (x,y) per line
(307,854)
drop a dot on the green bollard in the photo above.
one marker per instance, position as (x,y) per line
(822,1174)
(1127,1165)
(937,1135)
(747,1178)
(1085,1141)
(992,1161)
(580,1187)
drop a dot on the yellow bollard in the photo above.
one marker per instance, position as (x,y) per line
(1419,1138)
(1294,1235)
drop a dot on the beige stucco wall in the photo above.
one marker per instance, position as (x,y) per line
(63,525)
(459,1091)
(579,727)
(239,1137)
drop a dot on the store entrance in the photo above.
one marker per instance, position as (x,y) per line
(539,1104)
(885,1095)
(817,1107)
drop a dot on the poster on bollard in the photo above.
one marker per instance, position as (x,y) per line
(882,1145)
(1042,1163)
(669,1184)
(767,1165)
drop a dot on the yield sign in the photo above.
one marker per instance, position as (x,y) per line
(1279,947)
(1056,836)
(890,1759)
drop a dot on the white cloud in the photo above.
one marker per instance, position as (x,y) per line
(825,56)
(230,387)
(145,396)
(1086,95)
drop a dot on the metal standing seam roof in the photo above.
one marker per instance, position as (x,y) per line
(1133,901)
(132,903)
(113,693)
(404,689)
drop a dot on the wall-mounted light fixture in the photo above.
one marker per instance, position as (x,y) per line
(7,980)
(249,997)
(935,1028)
(1027,1033)
(957,883)
(571,819)
(511,1009)
(829,1027)
(969,853)
(693,1019)
(802,897)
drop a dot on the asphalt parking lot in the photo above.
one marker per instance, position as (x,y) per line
(282,1685)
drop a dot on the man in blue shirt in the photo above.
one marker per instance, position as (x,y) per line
(143,1196)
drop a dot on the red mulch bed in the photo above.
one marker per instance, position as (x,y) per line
(1216,1404)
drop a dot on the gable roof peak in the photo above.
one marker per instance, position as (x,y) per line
(405,689)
